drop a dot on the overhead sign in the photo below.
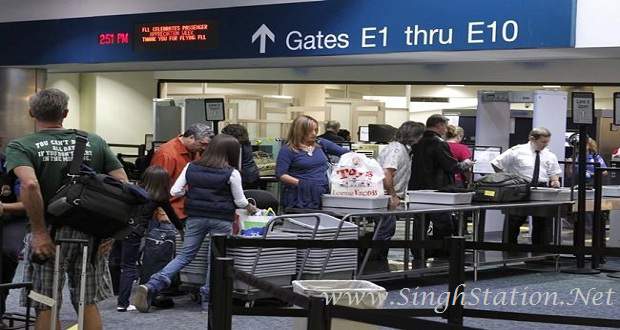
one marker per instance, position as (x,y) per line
(583,107)
(215,109)
(330,27)
(262,34)
(180,35)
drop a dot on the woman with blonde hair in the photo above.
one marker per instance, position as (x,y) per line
(302,165)
(460,152)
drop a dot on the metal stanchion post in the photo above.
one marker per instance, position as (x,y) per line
(476,253)
(419,255)
(456,279)
(318,317)
(220,306)
(407,237)
(218,244)
(596,221)
(614,272)
(557,235)
(580,226)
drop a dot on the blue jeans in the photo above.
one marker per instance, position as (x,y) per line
(196,229)
(130,251)
(387,228)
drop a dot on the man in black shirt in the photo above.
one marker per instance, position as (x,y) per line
(433,168)
(331,132)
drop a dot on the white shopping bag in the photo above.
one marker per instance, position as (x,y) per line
(244,220)
(357,175)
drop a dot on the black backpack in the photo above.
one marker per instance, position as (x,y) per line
(501,187)
(96,204)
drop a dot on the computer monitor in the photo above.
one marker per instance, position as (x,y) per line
(363,134)
(483,155)
(381,133)
(345,145)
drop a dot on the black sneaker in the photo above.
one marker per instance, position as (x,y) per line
(142,298)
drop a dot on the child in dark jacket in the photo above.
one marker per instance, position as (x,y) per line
(156,182)
(213,191)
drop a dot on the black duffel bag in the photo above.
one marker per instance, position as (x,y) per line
(501,187)
(93,203)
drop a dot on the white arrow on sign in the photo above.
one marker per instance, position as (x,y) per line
(263,33)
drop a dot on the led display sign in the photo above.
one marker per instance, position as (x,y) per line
(184,35)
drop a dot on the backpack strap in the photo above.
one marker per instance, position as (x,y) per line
(81,138)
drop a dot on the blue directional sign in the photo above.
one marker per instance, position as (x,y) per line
(331,27)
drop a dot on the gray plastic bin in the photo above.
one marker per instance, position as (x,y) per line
(556,194)
(611,191)
(350,293)
(355,202)
(435,197)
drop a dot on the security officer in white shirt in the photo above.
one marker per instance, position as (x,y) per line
(534,162)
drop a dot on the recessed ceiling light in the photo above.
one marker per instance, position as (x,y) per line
(552,86)
(278,96)
(455,85)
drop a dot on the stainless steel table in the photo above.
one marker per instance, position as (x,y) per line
(542,208)
(420,211)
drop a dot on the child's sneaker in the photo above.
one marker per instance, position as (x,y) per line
(126,309)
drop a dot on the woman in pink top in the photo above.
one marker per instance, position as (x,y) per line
(460,152)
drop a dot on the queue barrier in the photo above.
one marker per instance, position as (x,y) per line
(319,314)
(12,318)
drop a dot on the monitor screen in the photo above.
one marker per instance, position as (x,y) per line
(214,109)
(483,156)
(468,123)
(345,145)
(381,133)
(363,134)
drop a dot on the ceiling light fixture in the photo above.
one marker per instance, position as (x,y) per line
(552,86)
(279,97)
(455,85)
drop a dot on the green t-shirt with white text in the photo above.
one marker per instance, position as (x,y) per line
(49,153)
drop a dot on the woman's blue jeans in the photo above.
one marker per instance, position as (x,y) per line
(196,229)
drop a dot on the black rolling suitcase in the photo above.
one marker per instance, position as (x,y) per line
(501,187)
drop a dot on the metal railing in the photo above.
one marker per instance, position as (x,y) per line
(319,313)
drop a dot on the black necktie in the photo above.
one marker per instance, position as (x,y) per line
(536,170)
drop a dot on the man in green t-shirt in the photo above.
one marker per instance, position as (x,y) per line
(41,161)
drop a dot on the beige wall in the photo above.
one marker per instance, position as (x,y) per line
(88,104)
(117,106)
(124,106)
(307,95)
(70,84)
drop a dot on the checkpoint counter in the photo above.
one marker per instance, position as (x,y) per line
(414,214)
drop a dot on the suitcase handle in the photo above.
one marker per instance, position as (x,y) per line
(40,260)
